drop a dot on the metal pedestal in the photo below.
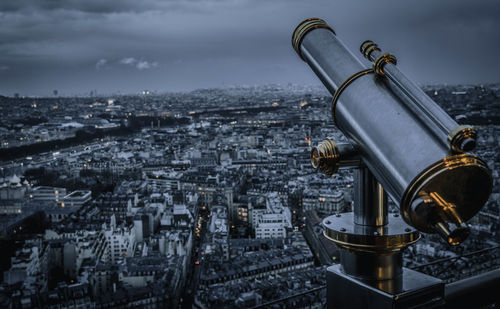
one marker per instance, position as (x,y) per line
(410,290)
(371,274)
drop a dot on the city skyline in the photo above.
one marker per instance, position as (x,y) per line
(204,199)
(125,47)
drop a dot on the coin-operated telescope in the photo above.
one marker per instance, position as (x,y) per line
(402,145)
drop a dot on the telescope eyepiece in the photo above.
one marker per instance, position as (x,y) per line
(458,235)
(454,237)
(434,214)
(462,138)
(468,144)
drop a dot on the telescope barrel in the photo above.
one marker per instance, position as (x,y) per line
(458,138)
(406,157)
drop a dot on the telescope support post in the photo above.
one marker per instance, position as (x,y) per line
(371,273)
(370,201)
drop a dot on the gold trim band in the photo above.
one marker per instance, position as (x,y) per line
(390,238)
(344,85)
(383,245)
(303,28)
(381,61)
(367,47)
(462,138)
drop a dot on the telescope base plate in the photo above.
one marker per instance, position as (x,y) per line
(412,289)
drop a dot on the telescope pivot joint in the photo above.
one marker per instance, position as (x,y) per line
(329,156)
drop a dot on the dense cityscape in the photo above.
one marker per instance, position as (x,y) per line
(199,199)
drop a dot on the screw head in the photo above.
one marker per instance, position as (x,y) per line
(407,230)
(396,215)
(337,215)
(342,229)
(328,222)
(376,233)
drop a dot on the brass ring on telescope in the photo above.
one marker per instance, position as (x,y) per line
(344,85)
(391,238)
(367,47)
(387,245)
(303,28)
(381,60)
(462,138)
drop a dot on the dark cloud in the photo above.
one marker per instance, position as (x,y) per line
(89,6)
(61,44)
(108,6)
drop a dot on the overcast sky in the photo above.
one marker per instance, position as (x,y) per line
(126,46)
